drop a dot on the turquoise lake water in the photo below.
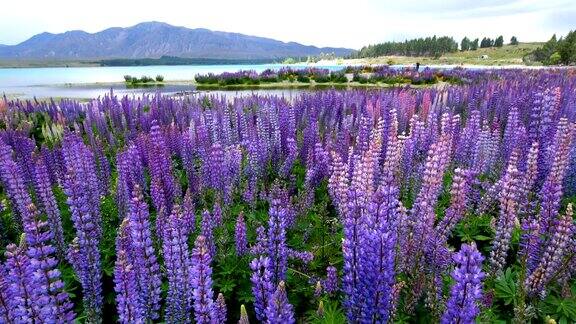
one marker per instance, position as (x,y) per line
(89,82)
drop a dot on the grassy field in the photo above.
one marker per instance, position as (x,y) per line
(506,55)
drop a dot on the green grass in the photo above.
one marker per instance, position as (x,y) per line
(506,55)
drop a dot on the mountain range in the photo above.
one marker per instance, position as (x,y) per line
(156,39)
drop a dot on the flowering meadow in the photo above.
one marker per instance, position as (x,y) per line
(380,74)
(447,204)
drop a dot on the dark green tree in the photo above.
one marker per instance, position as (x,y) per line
(486,42)
(513,40)
(474,44)
(543,53)
(567,48)
(465,44)
(429,46)
(499,42)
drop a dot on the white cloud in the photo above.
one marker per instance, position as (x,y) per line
(323,23)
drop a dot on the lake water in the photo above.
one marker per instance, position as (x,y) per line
(90,82)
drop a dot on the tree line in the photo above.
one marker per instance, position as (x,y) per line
(471,45)
(429,46)
(556,51)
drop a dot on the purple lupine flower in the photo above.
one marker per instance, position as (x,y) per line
(220,309)
(422,213)
(528,181)
(128,302)
(458,201)
(130,173)
(555,250)
(240,235)
(279,309)
(216,170)
(508,215)
(142,254)
(288,163)
(24,148)
(50,299)
(462,306)
(103,168)
(330,284)
(49,206)
(164,187)
(551,192)
(277,250)
(261,246)
(303,256)
(180,270)
(217,215)
(530,243)
(13,182)
(262,287)
(207,225)
(201,276)
(53,164)
(233,161)
(20,289)
(350,251)
(81,188)
(338,183)
(50,302)
(243,315)
(377,254)
(6,301)
(189,211)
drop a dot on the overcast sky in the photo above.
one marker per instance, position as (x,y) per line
(352,23)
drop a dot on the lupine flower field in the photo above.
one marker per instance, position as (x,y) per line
(448,204)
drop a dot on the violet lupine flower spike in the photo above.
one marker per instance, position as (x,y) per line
(279,309)
(179,268)
(201,275)
(277,250)
(462,306)
(262,288)
(142,254)
(220,309)
(507,217)
(128,302)
(21,293)
(555,251)
(6,301)
(377,255)
(48,205)
(331,283)
(13,181)
(459,193)
(81,187)
(51,300)
(240,235)
(551,192)
(207,225)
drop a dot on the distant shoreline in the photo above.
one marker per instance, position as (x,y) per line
(162,61)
